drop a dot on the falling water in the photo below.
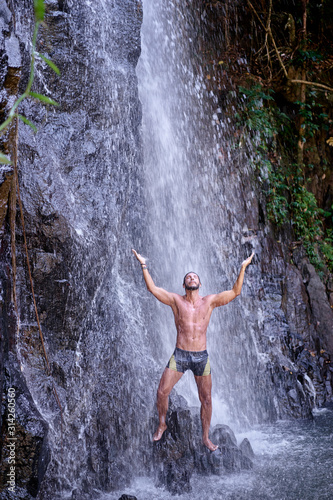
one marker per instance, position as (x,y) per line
(196,222)
(192,202)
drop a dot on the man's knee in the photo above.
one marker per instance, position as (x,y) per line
(205,399)
(162,392)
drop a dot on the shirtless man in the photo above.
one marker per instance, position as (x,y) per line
(192,314)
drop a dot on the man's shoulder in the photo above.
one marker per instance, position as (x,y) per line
(178,297)
(209,297)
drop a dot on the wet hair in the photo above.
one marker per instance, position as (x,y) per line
(191,272)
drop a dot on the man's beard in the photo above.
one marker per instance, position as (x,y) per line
(192,287)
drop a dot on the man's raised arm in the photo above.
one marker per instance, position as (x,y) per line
(223,298)
(161,294)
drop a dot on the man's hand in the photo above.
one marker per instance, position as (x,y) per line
(247,261)
(141,259)
(161,294)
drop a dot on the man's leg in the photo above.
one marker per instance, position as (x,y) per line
(204,384)
(168,380)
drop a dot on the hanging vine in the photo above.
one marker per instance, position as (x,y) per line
(10,126)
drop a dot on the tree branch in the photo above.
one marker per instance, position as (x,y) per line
(269,31)
(278,54)
(313,84)
(256,14)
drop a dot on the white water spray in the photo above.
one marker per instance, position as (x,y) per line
(191,201)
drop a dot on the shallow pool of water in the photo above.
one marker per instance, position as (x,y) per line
(294,461)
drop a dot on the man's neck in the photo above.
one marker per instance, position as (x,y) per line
(192,295)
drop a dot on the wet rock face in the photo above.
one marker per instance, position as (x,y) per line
(322,313)
(25,452)
(309,340)
(83,206)
(180,451)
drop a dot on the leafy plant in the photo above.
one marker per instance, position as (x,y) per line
(288,199)
(39,8)
(310,55)
(314,120)
(305,215)
(260,112)
(277,196)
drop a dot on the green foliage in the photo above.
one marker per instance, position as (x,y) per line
(309,55)
(28,122)
(256,116)
(260,112)
(39,8)
(314,119)
(288,200)
(277,196)
(305,215)
(50,63)
(43,98)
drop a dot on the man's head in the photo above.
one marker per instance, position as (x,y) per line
(191,281)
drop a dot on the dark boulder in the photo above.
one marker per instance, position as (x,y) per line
(180,452)
(246,449)
(173,454)
(247,454)
(207,462)
(224,436)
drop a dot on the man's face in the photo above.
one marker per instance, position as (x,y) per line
(192,282)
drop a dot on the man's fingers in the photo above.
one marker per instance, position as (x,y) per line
(141,259)
(248,260)
(136,254)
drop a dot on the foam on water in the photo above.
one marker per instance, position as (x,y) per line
(293,461)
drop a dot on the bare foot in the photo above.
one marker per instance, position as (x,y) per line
(159,433)
(207,442)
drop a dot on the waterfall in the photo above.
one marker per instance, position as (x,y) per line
(193,219)
(186,202)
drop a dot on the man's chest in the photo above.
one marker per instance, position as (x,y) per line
(193,313)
